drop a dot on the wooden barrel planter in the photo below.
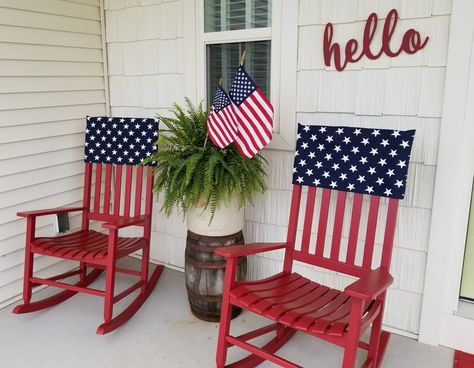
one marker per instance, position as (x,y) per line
(205,273)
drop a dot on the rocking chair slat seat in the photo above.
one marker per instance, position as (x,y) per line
(295,301)
(262,285)
(85,246)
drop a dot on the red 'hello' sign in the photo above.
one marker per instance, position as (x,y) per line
(411,42)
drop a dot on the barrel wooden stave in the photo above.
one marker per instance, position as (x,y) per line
(205,272)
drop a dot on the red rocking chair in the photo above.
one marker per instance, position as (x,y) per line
(338,160)
(110,142)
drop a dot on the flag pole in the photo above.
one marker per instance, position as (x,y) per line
(242,58)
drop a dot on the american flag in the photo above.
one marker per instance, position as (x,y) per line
(222,122)
(121,141)
(254,114)
(360,160)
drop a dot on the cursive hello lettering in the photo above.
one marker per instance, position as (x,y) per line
(411,43)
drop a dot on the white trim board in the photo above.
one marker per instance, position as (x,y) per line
(453,186)
(453,333)
(105,59)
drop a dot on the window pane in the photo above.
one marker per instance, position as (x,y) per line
(229,15)
(223,61)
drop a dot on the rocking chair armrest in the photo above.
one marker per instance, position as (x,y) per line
(248,249)
(49,211)
(124,222)
(371,285)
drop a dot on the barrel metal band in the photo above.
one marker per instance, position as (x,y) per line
(209,298)
(207,264)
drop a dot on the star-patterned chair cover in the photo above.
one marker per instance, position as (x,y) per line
(359,160)
(118,194)
(120,141)
(347,171)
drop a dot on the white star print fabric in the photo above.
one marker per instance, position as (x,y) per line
(359,160)
(120,141)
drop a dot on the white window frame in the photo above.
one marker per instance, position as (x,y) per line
(440,323)
(283,35)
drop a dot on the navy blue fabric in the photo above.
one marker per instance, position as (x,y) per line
(351,159)
(221,100)
(242,86)
(120,141)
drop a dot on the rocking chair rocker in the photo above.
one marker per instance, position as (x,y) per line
(110,143)
(369,163)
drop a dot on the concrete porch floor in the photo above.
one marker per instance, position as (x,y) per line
(163,333)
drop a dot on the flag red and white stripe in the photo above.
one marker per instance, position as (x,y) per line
(222,122)
(254,113)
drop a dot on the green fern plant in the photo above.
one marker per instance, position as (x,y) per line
(191,170)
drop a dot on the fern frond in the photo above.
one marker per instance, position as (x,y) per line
(189,171)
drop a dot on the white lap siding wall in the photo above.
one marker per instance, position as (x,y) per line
(145,45)
(51,76)
(146,41)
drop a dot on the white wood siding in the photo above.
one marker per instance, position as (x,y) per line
(405,92)
(146,45)
(51,77)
